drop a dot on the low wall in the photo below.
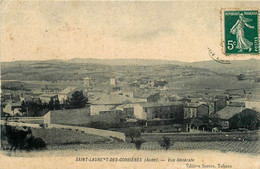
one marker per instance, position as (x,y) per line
(206,136)
(104,133)
(27,118)
(68,117)
(20,124)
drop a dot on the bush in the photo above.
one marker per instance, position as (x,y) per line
(21,138)
(166,143)
(132,133)
(138,143)
(141,122)
(38,143)
(98,125)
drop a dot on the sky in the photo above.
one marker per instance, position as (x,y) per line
(180,31)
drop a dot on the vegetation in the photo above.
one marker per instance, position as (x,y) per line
(21,138)
(138,143)
(37,108)
(56,136)
(241,77)
(248,119)
(78,100)
(133,133)
(166,143)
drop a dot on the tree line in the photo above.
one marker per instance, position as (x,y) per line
(38,108)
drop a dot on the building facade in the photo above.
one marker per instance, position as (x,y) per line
(196,111)
(149,111)
(46,98)
(66,94)
(87,82)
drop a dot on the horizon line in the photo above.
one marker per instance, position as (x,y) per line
(120,59)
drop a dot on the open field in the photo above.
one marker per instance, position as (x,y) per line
(90,142)
(223,146)
(62,139)
(204,136)
(62,136)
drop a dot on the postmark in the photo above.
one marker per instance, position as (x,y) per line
(216,58)
(240,32)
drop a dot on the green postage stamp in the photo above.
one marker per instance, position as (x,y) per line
(240,32)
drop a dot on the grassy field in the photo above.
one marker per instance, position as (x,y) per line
(62,139)
(204,136)
(59,137)
(251,147)
(63,136)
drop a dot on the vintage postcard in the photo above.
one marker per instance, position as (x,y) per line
(130,84)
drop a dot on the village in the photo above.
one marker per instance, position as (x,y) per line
(132,105)
(186,114)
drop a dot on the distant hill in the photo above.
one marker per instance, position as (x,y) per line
(181,76)
(124,61)
(236,66)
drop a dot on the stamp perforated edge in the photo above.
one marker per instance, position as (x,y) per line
(222,41)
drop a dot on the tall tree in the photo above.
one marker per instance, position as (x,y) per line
(78,100)
(23,107)
(57,104)
(51,104)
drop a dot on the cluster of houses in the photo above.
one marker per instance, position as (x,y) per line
(192,113)
(12,104)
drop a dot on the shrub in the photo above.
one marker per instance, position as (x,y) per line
(132,133)
(138,143)
(38,143)
(98,125)
(166,143)
(22,138)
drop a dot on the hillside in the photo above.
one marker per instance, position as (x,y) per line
(236,66)
(180,75)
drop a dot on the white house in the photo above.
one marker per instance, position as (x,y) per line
(66,94)
(253,104)
(96,109)
(150,111)
(46,97)
(113,81)
(86,82)
(139,112)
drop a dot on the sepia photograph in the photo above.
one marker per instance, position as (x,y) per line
(130,84)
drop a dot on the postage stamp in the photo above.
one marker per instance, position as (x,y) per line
(240,31)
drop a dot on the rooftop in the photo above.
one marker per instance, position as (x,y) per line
(114,99)
(71,110)
(48,95)
(146,105)
(193,104)
(15,104)
(254,98)
(68,90)
(229,112)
